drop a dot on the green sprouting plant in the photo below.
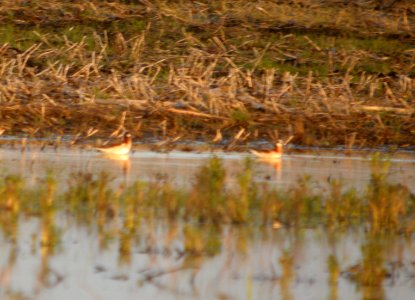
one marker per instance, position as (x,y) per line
(240,203)
(342,207)
(303,204)
(11,192)
(387,203)
(90,195)
(208,197)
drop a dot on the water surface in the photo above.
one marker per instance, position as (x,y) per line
(179,167)
(234,262)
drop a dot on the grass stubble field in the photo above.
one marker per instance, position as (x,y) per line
(328,73)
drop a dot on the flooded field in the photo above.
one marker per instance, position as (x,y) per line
(202,75)
(70,231)
(180,167)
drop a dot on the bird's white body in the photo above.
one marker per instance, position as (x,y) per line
(119,149)
(267,155)
(270,154)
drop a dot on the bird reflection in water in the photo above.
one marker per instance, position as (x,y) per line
(123,161)
(276,165)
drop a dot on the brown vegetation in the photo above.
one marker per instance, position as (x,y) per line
(327,72)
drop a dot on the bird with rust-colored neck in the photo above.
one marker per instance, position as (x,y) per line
(276,153)
(119,149)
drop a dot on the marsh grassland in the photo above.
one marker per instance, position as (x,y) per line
(326,72)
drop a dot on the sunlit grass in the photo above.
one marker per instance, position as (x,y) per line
(211,64)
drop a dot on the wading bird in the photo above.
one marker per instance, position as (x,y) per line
(119,149)
(276,153)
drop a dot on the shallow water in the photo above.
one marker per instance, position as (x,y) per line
(179,167)
(249,264)
(237,262)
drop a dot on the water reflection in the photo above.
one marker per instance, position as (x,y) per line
(185,260)
(121,161)
(180,167)
(276,164)
(92,242)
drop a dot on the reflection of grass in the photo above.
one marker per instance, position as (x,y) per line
(124,213)
(93,202)
(370,273)
(387,207)
(387,203)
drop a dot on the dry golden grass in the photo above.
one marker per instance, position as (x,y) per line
(326,72)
